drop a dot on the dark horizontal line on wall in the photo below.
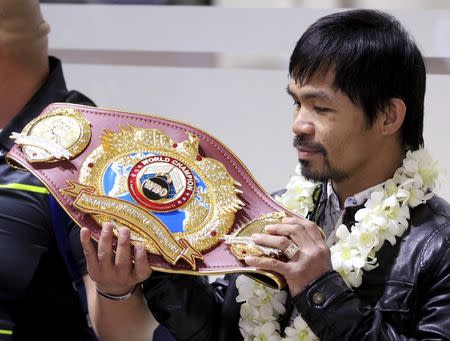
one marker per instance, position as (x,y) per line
(138,58)
(131,2)
(435,65)
(439,66)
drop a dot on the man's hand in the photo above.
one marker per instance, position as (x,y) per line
(115,275)
(310,262)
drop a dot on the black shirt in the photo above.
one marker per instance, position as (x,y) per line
(37,299)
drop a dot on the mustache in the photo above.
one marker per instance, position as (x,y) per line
(302,141)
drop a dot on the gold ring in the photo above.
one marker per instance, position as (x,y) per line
(291,250)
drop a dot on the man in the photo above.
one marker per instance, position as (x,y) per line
(37,299)
(358,82)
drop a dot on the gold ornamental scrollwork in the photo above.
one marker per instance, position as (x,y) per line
(241,244)
(60,134)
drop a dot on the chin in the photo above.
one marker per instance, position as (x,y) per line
(315,176)
(312,174)
(323,174)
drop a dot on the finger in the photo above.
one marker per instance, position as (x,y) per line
(123,253)
(282,229)
(266,263)
(89,252)
(297,233)
(278,242)
(294,220)
(105,246)
(142,269)
(314,231)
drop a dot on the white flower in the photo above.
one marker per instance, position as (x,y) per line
(246,327)
(266,332)
(416,197)
(427,168)
(266,312)
(346,257)
(354,278)
(249,312)
(411,166)
(300,331)
(246,287)
(278,300)
(384,218)
(298,196)
(365,239)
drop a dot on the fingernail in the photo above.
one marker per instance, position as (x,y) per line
(268,227)
(123,231)
(249,259)
(139,247)
(107,228)
(255,236)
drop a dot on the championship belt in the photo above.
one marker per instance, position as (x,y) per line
(180,191)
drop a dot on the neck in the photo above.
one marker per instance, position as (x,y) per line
(17,87)
(380,169)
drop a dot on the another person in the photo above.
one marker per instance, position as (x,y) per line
(357,80)
(37,298)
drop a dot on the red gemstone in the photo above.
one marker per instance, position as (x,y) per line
(244,252)
(213,233)
(175,145)
(199,158)
(90,165)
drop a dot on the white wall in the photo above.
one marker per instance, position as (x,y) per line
(222,69)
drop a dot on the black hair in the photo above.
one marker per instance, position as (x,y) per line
(373,59)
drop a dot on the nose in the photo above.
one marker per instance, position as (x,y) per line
(302,124)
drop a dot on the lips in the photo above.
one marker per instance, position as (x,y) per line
(307,153)
(308,149)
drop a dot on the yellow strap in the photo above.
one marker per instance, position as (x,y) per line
(28,188)
(6,332)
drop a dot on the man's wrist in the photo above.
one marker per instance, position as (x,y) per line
(116,297)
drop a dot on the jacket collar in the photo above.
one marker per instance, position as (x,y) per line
(53,90)
(321,202)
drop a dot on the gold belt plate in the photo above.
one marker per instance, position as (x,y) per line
(142,179)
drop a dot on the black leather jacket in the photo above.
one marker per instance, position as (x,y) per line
(406,298)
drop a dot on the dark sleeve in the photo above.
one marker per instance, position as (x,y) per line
(76,97)
(334,312)
(25,236)
(76,247)
(187,305)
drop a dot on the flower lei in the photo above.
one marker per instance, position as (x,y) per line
(384,217)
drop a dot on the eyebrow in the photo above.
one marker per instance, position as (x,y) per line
(288,90)
(311,94)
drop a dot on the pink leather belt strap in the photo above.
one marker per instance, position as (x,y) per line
(217,259)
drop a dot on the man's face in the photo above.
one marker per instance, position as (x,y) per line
(332,136)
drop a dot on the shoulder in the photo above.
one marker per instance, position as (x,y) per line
(77,97)
(439,206)
(430,231)
(23,198)
(278,192)
(429,218)
(12,178)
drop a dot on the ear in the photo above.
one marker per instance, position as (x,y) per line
(393,116)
